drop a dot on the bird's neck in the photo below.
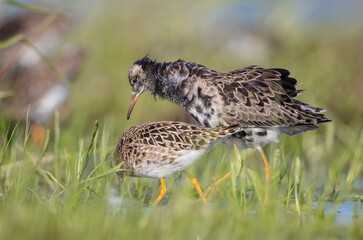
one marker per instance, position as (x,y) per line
(165,85)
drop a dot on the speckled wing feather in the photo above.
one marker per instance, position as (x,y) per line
(256,96)
(175,135)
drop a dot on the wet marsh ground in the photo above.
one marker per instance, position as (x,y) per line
(74,194)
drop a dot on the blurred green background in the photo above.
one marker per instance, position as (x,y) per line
(319,42)
(325,54)
(321,45)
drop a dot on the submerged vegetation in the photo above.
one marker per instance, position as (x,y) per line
(66,189)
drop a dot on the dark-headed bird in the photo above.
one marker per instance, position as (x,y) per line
(258,98)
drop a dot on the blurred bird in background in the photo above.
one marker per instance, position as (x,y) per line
(37,67)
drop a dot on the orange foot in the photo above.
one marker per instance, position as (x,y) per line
(37,132)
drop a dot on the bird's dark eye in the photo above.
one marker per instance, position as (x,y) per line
(134,80)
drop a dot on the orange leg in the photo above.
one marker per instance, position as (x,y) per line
(38,133)
(214,185)
(196,185)
(267,172)
(162,192)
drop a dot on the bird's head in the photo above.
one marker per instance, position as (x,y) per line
(142,78)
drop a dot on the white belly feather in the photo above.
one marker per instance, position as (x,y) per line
(156,169)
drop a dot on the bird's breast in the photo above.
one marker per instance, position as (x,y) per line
(201,101)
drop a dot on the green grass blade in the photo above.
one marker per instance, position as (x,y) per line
(11,41)
(91,145)
(28,6)
(6,143)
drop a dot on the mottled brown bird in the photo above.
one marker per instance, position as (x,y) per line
(161,149)
(32,77)
(41,90)
(259,98)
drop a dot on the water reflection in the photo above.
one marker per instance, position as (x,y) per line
(345,213)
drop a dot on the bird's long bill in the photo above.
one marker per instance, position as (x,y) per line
(134,98)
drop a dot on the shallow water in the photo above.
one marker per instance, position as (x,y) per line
(345,213)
